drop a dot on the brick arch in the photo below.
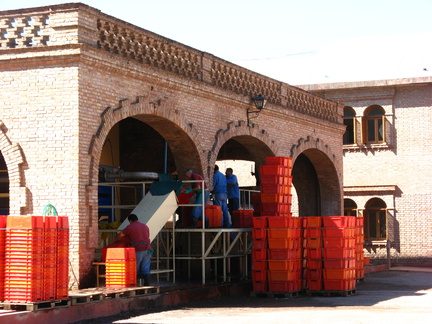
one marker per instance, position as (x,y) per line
(15,161)
(239,129)
(330,196)
(157,112)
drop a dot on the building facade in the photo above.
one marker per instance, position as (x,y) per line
(81,89)
(388,162)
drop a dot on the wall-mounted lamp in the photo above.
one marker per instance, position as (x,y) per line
(259,102)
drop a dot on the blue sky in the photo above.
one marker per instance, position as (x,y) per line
(298,42)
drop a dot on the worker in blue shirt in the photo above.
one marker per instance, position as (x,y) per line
(220,195)
(233,190)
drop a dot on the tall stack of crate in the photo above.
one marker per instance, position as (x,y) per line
(24,259)
(339,270)
(62,277)
(359,243)
(284,254)
(50,257)
(120,267)
(259,254)
(276,254)
(3,220)
(313,243)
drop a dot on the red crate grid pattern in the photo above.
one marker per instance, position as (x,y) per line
(120,267)
(330,249)
(276,254)
(32,259)
(275,198)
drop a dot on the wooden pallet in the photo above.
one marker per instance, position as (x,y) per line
(101,293)
(330,293)
(276,294)
(35,306)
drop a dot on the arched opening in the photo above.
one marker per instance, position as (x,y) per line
(140,148)
(4,187)
(244,154)
(350,207)
(374,124)
(317,184)
(375,220)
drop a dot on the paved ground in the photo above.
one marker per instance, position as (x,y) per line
(400,295)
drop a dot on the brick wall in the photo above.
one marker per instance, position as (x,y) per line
(62,96)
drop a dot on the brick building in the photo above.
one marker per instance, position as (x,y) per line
(388,162)
(82,89)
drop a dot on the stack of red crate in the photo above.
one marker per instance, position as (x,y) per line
(62,274)
(312,244)
(276,182)
(3,220)
(284,253)
(259,254)
(277,246)
(24,259)
(359,243)
(339,253)
(120,267)
(50,258)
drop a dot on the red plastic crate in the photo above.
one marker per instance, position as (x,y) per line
(338,232)
(339,253)
(283,275)
(242,222)
(279,160)
(315,254)
(286,265)
(314,264)
(260,243)
(314,274)
(315,285)
(259,254)
(274,179)
(259,233)
(313,242)
(275,208)
(260,222)
(339,273)
(284,286)
(24,222)
(339,263)
(338,221)
(284,254)
(339,284)
(120,254)
(259,275)
(259,265)
(274,170)
(284,243)
(339,242)
(214,215)
(276,198)
(313,221)
(287,233)
(312,232)
(275,188)
(280,222)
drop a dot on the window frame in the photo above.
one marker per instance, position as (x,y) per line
(375,119)
(353,121)
(381,216)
